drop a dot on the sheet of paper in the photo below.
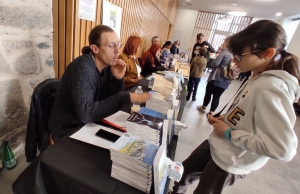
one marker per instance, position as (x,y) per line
(87,134)
(119,118)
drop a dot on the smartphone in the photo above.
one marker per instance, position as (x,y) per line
(107,135)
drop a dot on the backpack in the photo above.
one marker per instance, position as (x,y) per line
(228,71)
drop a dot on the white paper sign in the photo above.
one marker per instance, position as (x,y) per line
(112,16)
(87,9)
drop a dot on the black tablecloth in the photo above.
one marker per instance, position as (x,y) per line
(74,167)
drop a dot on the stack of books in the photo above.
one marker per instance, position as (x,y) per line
(162,85)
(133,159)
(160,102)
(145,127)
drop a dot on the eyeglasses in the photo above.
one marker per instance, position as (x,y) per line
(112,45)
(238,57)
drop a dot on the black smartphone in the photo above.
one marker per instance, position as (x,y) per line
(107,135)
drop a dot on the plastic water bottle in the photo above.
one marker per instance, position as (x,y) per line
(138,91)
(151,81)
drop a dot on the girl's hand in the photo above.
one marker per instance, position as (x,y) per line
(221,118)
(219,126)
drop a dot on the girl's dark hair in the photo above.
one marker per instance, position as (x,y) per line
(262,35)
(95,37)
(199,36)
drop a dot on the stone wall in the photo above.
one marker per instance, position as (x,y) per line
(26,59)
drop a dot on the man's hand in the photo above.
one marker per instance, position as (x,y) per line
(219,126)
(206,46)
(119,69)
(139,98)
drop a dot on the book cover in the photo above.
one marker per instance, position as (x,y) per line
(147,111)
(146,121)
(135,148)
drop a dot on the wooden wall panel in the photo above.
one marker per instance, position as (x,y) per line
(145,18)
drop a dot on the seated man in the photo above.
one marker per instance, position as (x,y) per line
(91,87)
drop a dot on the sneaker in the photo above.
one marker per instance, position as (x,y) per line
(201,109)
(193,99)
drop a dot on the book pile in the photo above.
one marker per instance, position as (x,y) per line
(162,85)
(159,102)
(132,159)
(174,170)
(145,127)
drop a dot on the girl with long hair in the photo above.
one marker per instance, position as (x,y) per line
(150,61)
(259,124)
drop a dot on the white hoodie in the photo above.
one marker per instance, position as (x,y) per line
(263,117)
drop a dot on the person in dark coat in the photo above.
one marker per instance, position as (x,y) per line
(175,47)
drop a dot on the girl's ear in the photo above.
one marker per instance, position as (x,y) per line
(269,53)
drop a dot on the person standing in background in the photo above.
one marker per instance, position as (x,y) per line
(202,43)
(133,70)
(175,47)
(155,40)
(216,83)
(198,64)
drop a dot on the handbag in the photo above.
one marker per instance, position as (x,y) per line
(229,71)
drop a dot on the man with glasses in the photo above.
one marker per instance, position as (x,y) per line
(91,87)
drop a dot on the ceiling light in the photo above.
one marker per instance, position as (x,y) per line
(278,14)
(237,13)
(224,20)
(233,3)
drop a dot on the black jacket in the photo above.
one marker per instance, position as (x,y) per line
(174,50)
(209,49)
(37,128)
(148,68)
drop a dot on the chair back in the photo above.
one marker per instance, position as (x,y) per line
(42,101)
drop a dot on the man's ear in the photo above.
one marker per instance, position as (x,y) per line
(269,53)
(94,48)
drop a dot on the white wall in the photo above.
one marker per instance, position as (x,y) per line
(290,27)
(185,23)
(294,47)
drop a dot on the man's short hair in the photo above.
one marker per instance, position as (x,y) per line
(152,39)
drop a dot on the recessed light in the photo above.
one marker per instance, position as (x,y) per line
(233,3)
(237,13)
(278,14)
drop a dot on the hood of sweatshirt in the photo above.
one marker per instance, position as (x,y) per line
(290,80)
(198,59)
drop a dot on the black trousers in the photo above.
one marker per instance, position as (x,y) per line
(216,92)
(199,165)
(193,86)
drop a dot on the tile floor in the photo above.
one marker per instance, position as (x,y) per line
(274,178)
